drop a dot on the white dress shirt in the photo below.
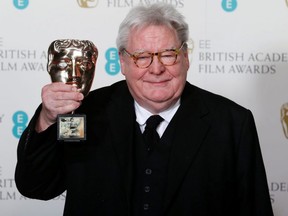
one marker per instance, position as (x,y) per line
(142,115)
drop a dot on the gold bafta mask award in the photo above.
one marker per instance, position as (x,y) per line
(284,119)
(72,62)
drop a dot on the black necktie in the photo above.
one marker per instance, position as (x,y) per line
(150,134)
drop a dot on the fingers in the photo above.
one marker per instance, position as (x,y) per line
(61,98)
(60,91)
(57,98)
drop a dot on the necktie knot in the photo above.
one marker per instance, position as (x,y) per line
(153,122)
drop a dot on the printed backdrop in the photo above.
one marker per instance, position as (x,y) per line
(238,49)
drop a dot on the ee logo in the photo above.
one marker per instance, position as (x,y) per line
(112,66)
(229,5)
(20,120)
(21,4)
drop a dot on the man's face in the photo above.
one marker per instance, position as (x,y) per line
(156,87)
(72,66)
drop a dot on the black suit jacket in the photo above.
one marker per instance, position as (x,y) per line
(215,167)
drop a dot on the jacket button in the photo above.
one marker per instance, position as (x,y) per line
(146,206)
(147,189)
(148,171)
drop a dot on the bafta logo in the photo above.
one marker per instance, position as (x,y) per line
(284,119)
(87,3)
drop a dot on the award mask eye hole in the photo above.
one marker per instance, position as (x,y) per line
(62,65)
(86,65)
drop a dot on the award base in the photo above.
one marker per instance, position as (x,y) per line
(71,127)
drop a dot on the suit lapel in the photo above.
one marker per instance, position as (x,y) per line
(187,139)
(122,119)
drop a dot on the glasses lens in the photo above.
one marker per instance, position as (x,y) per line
(168,57)
(143,60)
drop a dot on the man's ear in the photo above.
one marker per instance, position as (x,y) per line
(122,63)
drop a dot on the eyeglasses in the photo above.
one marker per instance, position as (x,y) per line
(144,59)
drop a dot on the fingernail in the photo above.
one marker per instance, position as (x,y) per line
(81,96)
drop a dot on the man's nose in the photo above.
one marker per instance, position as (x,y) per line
(156,66)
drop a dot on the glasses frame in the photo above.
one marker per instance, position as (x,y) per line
(158,54)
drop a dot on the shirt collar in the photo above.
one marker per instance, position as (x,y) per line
(142,114)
